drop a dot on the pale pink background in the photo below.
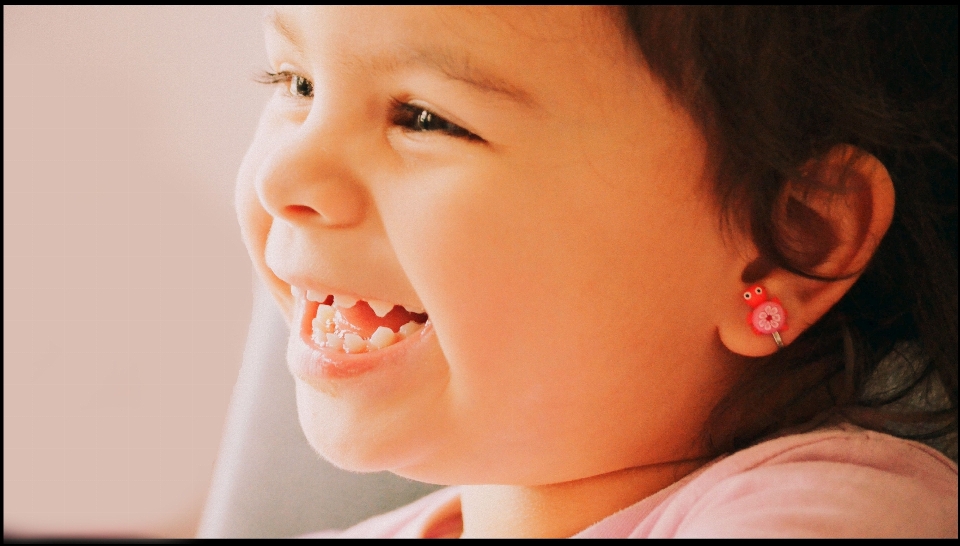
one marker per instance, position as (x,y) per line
(127,291)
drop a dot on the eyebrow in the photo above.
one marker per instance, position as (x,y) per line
(455,65)
(281,24)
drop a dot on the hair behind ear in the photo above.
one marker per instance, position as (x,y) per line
(773,88)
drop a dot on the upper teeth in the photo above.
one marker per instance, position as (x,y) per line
(313,295)
(381,308)
(344,302)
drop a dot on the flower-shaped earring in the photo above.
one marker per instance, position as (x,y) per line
(768,316)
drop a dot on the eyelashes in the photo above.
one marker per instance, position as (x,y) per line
(298,86)
(408,116)
(415,118)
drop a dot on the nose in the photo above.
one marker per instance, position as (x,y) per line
(309,178)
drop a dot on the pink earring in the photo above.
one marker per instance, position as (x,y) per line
(768,316)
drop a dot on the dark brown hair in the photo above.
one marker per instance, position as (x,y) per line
(773,88)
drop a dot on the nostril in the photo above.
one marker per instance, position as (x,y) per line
(333,205)
(300,210)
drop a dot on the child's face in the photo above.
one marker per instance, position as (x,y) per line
(567,258)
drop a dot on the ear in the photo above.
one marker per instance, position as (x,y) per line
(833,222)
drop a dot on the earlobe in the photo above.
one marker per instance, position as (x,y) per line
(830,223)
(758,324)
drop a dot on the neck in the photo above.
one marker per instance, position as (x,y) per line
(564,509)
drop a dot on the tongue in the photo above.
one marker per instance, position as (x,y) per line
(361,320)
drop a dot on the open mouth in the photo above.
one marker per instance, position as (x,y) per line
(351,325)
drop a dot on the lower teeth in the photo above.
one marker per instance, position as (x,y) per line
(325,334)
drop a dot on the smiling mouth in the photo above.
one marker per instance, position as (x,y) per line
(351,325)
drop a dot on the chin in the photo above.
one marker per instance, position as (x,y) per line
(382,415)
(344,445)
(351,440)
(357,446)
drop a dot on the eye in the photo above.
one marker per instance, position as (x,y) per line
(421,120)
(759,290)
(747,295)
(298,86)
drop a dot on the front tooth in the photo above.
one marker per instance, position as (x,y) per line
(344,302)
(353,343)
(293,291)
(325,312)
(412,309)
(313,295)
(381,308)
(324,320)
(410,328)
(334,342)
(383,337)
(324,326)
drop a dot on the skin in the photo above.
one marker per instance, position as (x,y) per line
(585,302)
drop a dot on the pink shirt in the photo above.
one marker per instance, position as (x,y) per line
(840,482)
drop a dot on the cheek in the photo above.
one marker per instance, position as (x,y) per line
(533,290)
(253,219)
(520,259)
(255,222)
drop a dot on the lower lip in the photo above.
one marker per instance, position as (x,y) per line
(313,363)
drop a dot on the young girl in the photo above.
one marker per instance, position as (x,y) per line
(619,271)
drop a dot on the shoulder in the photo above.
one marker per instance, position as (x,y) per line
(843,482)
(409,521)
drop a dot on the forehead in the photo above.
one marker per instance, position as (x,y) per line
(506,49)
(469,25)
